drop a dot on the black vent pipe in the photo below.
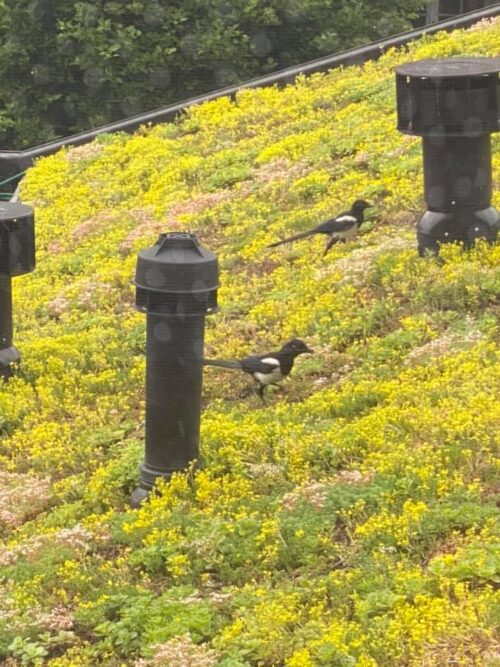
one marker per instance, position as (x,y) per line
(17,257)
(454,105)
(176,286)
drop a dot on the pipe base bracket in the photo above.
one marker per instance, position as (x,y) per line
(8,355)
(149,475)
(139,496)
(462,226)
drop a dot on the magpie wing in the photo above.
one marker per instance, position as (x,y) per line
(342,223)
(259,364)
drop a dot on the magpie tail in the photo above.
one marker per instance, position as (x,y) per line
(296,237)
(222,363)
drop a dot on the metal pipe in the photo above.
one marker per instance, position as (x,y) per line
(457,172)
(174,352)
(5,312)
(176,286)
(454,105)
(8,353)
(17,257)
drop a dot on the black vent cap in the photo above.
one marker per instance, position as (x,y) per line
(177,264)
(17,239)
(449,96)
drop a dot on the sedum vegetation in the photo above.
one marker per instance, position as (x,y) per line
(351,523)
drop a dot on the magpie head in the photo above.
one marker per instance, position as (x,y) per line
(360,205)
(296,346)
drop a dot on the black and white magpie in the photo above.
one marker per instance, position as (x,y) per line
(340,228)
(267,368)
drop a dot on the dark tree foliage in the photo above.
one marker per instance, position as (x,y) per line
(67,66)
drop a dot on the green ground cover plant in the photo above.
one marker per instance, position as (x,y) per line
(351,523)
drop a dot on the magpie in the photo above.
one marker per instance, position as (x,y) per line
(341,228)
(267,368)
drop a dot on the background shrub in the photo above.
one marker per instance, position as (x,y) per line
(68,66)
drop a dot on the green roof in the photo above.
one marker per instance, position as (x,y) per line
(349,523)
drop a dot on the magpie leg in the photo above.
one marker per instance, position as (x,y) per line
(260,393)
(332,241)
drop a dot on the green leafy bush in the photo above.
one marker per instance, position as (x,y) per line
(68,66)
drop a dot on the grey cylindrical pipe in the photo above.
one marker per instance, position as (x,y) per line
(457,172)
(17,257)
(5,312)
(176,282)
(8,353)
(174,352)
